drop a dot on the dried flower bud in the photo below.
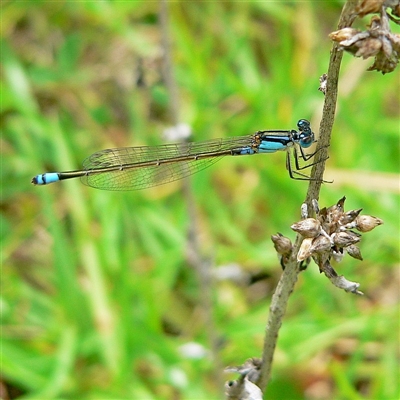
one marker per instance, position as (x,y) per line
(304,251)
(338,207)
(378,41)
(340,203)
(349,216)
(343,34)
(365,223)
(282,244)
(343,239)
(308,228)
(320,244)
(354,252)
(336,211)
(369,47)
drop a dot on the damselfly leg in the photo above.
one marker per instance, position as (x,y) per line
(294,173)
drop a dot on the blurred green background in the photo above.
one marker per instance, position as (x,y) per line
(98,298)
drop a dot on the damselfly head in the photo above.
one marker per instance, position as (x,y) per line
(303,125)
(306,138)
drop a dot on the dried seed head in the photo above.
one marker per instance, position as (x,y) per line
(349,216)
(369,47)
(343,34)
(354,252)
(378,41)
(304,251)
(308,228)
(320,244)
(329,236)
(344,239)
(282,244)
(365,223)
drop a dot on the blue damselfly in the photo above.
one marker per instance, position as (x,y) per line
(133,168)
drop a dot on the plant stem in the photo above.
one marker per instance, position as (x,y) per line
(289,276)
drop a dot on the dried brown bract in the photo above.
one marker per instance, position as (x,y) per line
(377,41)
(283,247)
(365,7)
(282,244)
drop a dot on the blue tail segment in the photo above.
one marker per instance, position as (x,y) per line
(45,179)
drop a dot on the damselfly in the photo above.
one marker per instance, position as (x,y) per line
(133,168)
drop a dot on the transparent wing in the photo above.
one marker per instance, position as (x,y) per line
(143,167)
